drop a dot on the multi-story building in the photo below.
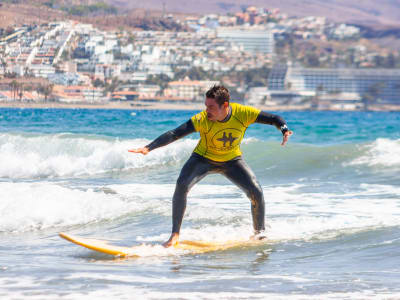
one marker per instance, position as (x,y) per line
(42,70)
(252,40)
(276,78)
(78,94)
(188,89)
(383,84)
(103,71)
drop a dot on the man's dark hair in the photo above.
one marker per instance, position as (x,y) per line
(219,93)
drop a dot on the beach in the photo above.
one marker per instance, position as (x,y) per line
(173,106)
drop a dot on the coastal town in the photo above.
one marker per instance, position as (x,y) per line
(264,57)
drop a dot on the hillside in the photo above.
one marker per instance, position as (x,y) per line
(366,12)
(27,13)
(37,12)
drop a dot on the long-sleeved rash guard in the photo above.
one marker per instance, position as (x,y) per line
(188,128)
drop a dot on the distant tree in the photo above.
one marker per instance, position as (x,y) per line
(10,75)
(316,98)
(197,74)
(98,83)
(372,94)
(26,72)
(14,88)
(21,91)
(39,89)
(48,89)
(4,65)
(194,73)
(350,57)
(45,90)
(252,77)
(111,87)
(312,60)
(379,61)
(161,80)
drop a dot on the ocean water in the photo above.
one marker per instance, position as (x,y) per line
(332,208)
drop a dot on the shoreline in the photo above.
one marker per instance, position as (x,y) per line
(169,106)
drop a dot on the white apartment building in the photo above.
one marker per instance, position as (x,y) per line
(41,70)
(188,89)
(107,71)
(148,90)
(384,83)
(252,40)
(344,31)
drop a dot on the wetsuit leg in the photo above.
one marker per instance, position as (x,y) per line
(195,169)
(239,173)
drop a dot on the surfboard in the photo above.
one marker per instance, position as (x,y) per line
(185,246)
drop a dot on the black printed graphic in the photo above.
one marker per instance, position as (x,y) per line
(226,139)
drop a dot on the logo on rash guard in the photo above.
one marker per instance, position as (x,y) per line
(229,139)
(226,139)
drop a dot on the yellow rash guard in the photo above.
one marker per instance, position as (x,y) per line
(220,141)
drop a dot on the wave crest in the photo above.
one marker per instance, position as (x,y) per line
(65,155)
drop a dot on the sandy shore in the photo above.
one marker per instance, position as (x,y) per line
(111,105)
(160,106)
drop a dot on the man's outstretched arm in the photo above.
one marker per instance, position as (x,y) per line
(271,119)
(167,138)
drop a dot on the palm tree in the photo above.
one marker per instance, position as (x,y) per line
(40,89)
(20,92)
(48,89)
(113,85)
(14,88)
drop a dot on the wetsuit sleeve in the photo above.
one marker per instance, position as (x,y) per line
(271,119)
(172,135)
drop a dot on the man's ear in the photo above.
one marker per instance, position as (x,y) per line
(226,104)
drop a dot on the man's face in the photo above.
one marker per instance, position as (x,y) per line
(214,111)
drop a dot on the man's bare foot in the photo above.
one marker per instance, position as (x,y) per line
(258,236)
(173,240)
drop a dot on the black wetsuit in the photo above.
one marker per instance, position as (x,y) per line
(197,167)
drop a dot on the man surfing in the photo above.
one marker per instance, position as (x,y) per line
(222,127)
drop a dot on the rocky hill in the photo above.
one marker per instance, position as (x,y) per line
(366,12)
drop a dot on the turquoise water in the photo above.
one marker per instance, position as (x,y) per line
(332,198)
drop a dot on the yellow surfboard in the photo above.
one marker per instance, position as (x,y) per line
(193,247)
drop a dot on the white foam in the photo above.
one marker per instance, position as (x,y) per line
(382,152)
(213,213)
(222,212)
(33,206)
(65,155)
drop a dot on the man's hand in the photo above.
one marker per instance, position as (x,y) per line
(173,240)
(286,137)
(143,150)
